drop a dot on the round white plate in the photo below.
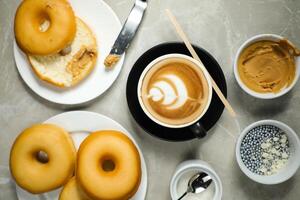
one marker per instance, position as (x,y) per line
(106,27)
(80,124)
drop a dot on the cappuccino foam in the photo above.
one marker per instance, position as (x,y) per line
(175,91)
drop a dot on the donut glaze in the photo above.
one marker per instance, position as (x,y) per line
(33,174)
(117,181)
(72,191)
(44,27)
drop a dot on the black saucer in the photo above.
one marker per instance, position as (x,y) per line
(180,134)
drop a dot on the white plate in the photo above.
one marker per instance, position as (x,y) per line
(106,26)
(80,124)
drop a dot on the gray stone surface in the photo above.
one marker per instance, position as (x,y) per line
(217,25)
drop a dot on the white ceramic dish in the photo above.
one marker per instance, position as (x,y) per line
(286,172)
(175,55)
(271,37)
(80,124)
(106,26)
(192,165)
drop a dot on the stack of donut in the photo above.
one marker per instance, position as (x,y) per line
(60,47)
(106,167)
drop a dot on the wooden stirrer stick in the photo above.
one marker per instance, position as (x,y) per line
(183,36)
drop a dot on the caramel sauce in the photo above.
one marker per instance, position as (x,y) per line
(80,60)
(268,66)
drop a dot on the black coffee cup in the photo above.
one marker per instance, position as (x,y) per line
(195,130)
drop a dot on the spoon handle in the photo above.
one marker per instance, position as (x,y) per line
(182,195)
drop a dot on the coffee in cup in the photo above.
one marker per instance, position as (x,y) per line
(174,90)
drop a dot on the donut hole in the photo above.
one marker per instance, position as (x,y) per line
(42,157)
(44,26)
(44,23)
(108,165)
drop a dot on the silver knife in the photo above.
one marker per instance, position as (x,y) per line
(127,33)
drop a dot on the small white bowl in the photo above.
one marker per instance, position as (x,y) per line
(293,162)
(270,37)
(195,165)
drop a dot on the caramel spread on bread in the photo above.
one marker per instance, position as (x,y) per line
(80,60)
(268,66)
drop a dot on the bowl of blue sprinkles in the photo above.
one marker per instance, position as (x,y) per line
(268,152)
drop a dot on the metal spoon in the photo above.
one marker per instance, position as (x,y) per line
(197,183)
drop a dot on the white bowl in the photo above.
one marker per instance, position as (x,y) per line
(198,165)
(293,162)
(270,37)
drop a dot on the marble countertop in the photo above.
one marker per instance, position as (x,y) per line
(220,27)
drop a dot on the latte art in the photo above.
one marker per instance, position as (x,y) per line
(170,92)
(174,91)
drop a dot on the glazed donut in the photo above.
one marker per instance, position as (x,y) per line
(72,191)
(108,166)
(44,27)
(42,158)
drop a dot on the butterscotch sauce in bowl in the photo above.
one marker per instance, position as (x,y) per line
(267,66)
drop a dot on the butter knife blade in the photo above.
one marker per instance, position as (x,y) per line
(127,32)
